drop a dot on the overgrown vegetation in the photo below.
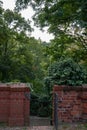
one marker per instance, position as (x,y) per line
(40,105)
(25,59)
(67,72)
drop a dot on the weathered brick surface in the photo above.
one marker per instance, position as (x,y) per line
(14,106)
(72,103)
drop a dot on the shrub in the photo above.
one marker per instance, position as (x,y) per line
(67,72)
(44,106)
(34,105)
(40,105)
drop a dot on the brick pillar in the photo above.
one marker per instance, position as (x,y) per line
(4,103)
(18,103)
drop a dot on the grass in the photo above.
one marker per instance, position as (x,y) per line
(78,126)
(2,124)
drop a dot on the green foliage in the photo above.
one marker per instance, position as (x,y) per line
(21,56)
(60,46)
(67,46)
(47,85)
(67,72)
(67,20)
(55,13)
(39,61)
(62,17)
(34,104)
(44,106)
(14,63)
(40,105)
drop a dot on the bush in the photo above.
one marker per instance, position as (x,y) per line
(44,106)
(40,105)
(34,105)
(67,72)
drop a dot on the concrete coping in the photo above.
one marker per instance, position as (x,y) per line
(14,87)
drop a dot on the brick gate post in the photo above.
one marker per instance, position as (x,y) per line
(19,105)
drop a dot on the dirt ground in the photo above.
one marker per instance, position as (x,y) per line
(60,127)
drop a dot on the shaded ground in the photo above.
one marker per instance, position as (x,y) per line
(61,127)
(38,123)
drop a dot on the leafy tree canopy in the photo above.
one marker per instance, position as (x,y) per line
(66,19)
(58,14)
(66,46)
(13,41)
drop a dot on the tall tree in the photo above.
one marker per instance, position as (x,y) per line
(57,13)
(13,29)
(63,17)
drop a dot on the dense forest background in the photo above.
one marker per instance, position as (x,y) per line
(25,59)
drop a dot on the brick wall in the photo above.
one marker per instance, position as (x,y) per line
(72,103)
(14,106)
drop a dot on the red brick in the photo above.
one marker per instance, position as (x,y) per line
(14,107)
(72,103)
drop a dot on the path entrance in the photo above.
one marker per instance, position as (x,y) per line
(39,121)
(40,112)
